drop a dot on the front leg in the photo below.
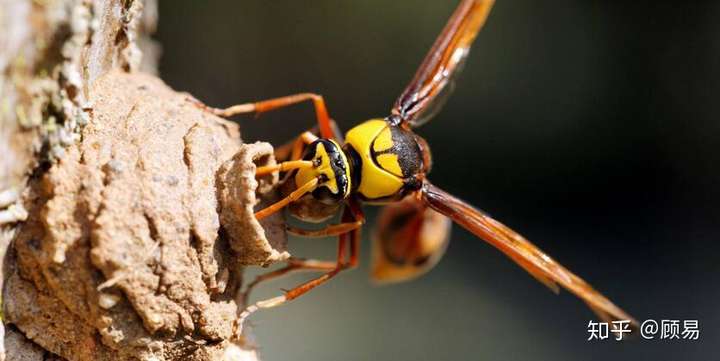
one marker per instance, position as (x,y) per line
(321,113)
(351,223)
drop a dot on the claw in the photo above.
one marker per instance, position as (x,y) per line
(194,101)
(240,321)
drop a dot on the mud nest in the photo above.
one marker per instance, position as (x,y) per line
(137,237)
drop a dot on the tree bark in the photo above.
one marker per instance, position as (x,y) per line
(138,205)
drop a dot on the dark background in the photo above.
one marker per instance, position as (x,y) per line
(591,127)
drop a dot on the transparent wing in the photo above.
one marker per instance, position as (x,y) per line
(425,94)
(520,250)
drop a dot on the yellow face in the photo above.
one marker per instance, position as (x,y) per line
(389,158)
(331,166)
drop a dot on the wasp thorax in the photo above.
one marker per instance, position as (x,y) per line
(387,160)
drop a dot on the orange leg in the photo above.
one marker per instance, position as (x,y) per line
(326,129)
(353,212)
(354,247)
(352,215)
(293,265)
(304,138)
(293,150)
(293,293)
(295,195)
(329,231)
(356,220)
(352,237)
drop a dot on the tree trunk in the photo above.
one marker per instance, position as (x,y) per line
(134,212)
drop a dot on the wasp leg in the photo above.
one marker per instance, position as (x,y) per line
(352,238)
(304,139)
(351,213)
(292,293)
(323,119)
(295,195)
(293,265)
(293,150)
(329,231)
(356,220)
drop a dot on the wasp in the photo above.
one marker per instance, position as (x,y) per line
(384,162)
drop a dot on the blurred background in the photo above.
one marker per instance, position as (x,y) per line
(591,127)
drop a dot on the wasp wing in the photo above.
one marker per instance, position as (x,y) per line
(408,240)
(520,250)
(426,92)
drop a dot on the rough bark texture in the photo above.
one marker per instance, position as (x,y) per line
(140,205)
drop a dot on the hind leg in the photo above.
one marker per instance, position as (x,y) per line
(351,238)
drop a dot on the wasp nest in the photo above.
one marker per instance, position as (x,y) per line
(136,238)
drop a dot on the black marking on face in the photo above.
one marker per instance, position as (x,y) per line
(322,193)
